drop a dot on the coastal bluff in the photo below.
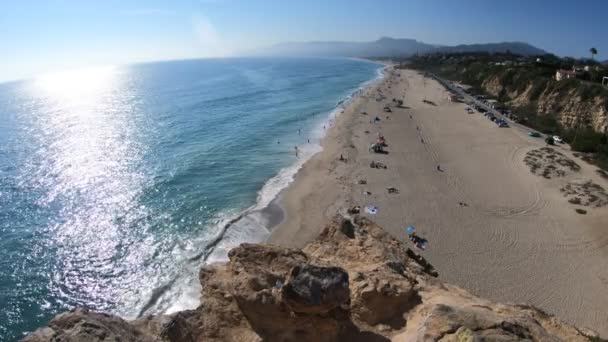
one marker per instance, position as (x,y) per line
(355,282)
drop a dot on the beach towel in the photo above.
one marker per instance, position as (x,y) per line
(371,209)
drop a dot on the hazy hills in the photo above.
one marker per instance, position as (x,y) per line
(386,46)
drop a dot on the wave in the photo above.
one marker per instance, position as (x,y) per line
(252,224)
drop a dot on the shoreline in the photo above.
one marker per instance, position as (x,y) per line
(328,148)
(275,211)
(254,224)
(257,222)
(515,238)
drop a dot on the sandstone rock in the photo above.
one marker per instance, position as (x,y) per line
(380,294)
(354,283)
(81,325)
(316,290)
(569,108)
(269,282)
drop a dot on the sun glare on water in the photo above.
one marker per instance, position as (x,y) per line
(89,163)
(79,84)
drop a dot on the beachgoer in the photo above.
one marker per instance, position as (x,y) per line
(308,141)
(299,131)
(296,148)
(438,167)
(341,157)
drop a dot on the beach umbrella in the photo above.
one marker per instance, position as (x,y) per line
(410,229)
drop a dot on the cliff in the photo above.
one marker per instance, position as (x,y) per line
(573,103)
(353,283)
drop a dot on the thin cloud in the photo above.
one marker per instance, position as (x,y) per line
(209,40)
(148,12)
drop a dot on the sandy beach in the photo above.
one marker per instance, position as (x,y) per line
(493,226)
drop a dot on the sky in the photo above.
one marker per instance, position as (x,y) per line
(51,35)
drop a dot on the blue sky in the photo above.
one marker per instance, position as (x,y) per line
(43,36)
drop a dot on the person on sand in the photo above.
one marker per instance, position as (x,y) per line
(438,167)
(342,157)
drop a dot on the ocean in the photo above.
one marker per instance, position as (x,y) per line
(118,182)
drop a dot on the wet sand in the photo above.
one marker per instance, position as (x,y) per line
(494,227)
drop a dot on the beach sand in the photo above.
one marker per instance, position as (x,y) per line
(493,226)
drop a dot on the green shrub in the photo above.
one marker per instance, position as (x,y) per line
(586,140)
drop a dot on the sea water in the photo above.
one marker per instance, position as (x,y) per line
(118,182)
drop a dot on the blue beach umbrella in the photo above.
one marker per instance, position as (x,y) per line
(410,229)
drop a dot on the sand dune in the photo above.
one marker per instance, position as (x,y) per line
(494,227)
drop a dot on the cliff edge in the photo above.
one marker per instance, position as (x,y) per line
(353,283)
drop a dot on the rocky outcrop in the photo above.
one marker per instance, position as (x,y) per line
(354,283)
(81,325)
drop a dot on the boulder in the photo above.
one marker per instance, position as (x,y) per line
(316,290)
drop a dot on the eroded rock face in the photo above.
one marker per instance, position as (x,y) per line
(81,325)
(569,108)
(354,283)
(286,298)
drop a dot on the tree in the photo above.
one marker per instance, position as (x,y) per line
(593,52)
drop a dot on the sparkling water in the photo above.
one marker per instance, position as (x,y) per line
(118,183)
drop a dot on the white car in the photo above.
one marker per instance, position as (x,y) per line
(557,139)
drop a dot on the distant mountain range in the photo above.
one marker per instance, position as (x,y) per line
(387,47)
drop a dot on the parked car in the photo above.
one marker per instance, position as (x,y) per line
(534,134)
(503,124)
(557,139)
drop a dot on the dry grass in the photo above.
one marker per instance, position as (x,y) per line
(549,163)
(587,194)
